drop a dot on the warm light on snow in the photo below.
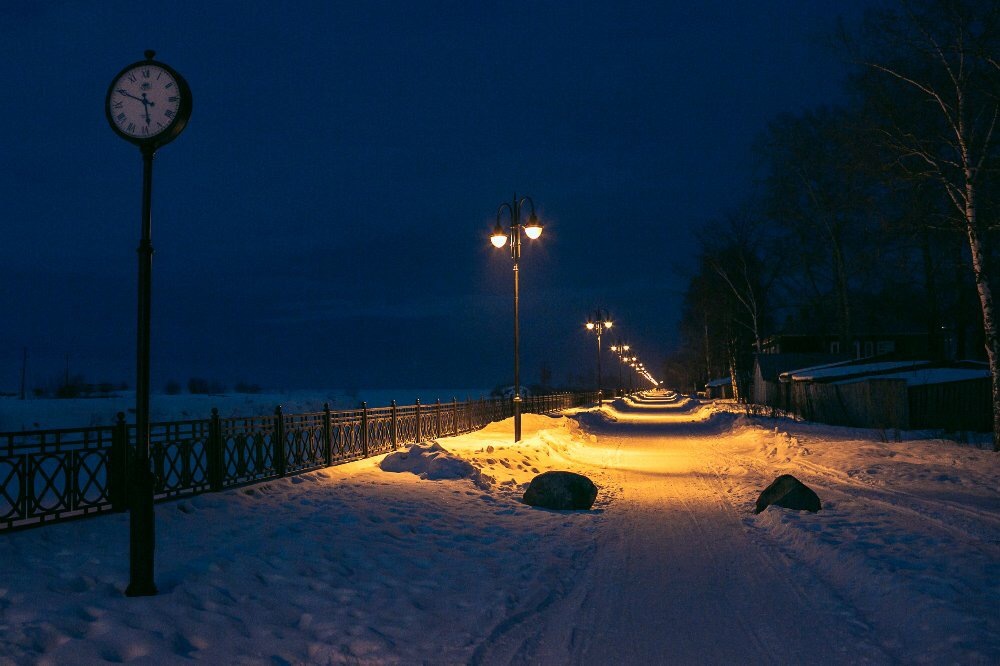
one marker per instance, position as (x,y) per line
(429,556)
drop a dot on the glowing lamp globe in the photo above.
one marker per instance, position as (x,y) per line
(499,237)
(590,325)
(533,229)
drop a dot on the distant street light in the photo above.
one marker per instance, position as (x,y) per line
(600,322)
(499,238)
(620,350)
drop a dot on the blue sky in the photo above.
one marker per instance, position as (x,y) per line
(324,219)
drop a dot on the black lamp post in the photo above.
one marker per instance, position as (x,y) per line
(600,322)
(620,350)
(499,238)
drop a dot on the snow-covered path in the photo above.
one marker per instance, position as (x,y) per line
(675,575)
(429,556)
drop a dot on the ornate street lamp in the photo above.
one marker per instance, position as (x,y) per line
(532,229)
(620,350)
(600,322)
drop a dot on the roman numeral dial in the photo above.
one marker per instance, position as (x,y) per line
(148,103)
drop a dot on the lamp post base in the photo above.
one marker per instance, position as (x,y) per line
(517,418)
(142,535)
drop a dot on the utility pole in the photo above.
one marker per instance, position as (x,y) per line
(24,366)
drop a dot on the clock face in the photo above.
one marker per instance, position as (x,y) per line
(148,103)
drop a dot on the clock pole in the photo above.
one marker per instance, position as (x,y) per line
(142,518)
(147,104)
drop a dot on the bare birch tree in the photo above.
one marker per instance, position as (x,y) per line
(932,68)
(732,248)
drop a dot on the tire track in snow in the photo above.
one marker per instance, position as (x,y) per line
(901,501)
(677,578)
(865,548)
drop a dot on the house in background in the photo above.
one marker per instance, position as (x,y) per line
(719,388)
(766,388)
(888,392)
(879,381)
(904,345)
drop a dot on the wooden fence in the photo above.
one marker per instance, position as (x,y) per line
(872,403)
(954,406)
(892,404)
(55,475)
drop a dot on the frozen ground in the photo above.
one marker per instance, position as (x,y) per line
(45,413)
(438,562)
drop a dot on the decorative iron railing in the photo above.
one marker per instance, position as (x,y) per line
(55,475)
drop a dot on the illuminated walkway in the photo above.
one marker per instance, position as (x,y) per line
(676,577)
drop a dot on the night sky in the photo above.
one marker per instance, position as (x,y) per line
(323,221)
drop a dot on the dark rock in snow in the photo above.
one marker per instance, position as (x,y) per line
(561,490)
(788,492)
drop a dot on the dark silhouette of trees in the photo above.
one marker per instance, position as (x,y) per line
(931,77)
(880,214)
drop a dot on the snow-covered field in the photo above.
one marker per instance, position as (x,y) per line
(46,413)
(428,556)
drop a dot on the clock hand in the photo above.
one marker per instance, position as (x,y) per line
(122,91)
(146,104)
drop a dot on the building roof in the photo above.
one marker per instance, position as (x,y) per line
(915,372)
(925,376)
(773,365)
(843,370)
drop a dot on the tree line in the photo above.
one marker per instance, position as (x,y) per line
(876,215)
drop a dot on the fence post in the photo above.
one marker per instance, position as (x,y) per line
(280,462)
(438,417)
(327,434)
(454,415)
(216,460)
(118,487)
(392,426)
(364,428)
(417,441)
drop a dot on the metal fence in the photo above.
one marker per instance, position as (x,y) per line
(54,475)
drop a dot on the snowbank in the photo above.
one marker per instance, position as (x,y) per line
(430,461)
(429,564)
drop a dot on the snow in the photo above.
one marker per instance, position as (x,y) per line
(844,368)
(428,555)
(48,413)
(914,372)
(431,461)
(927,376)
